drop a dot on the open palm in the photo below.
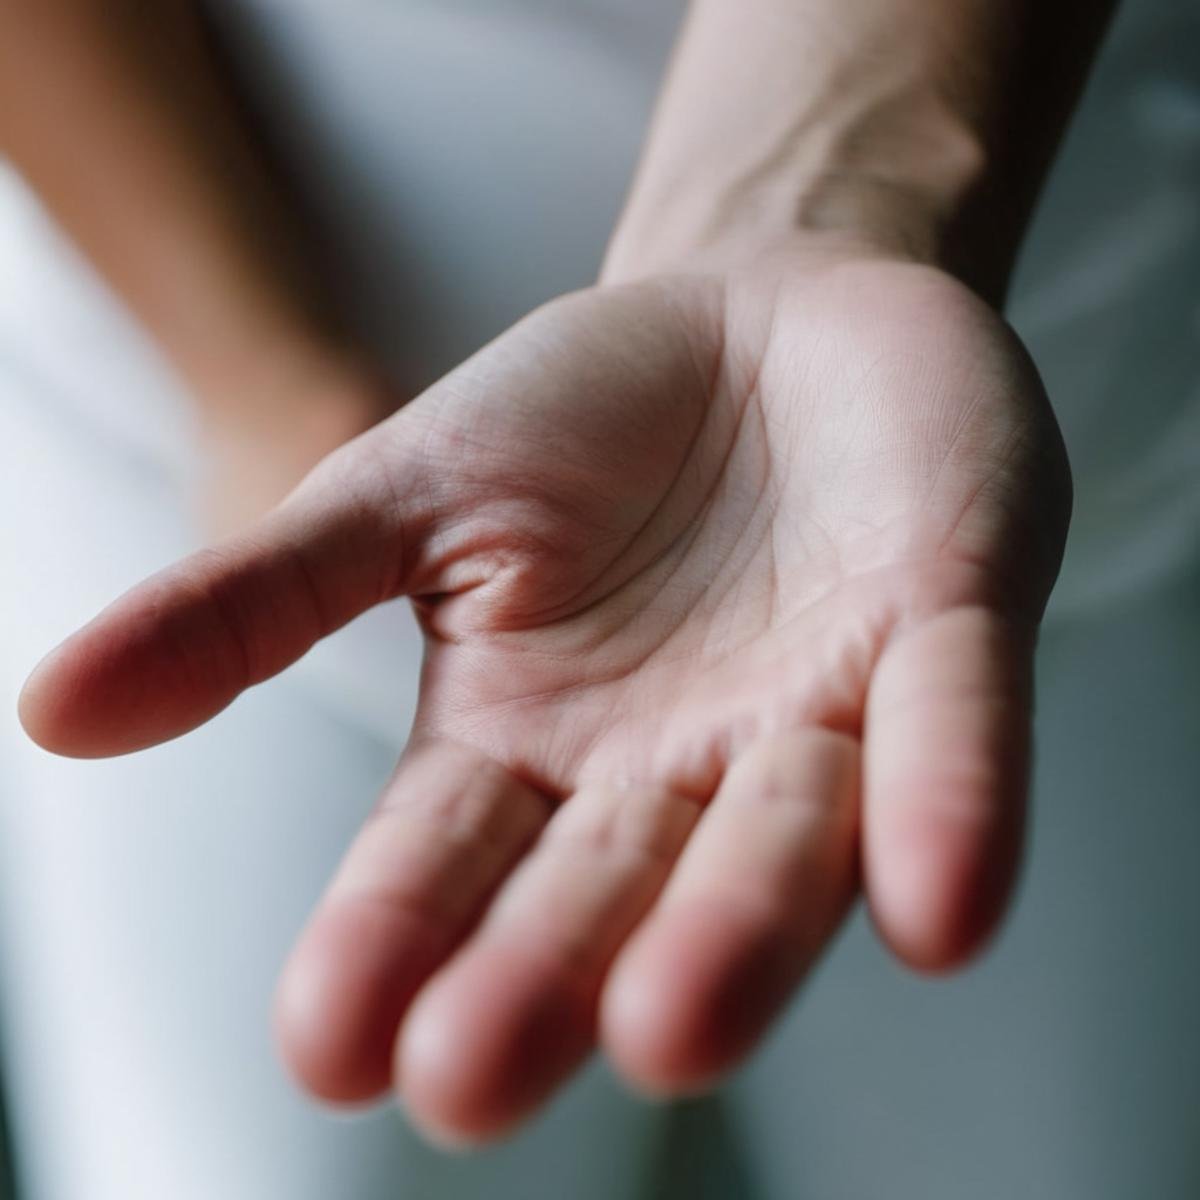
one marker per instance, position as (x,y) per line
(723,580)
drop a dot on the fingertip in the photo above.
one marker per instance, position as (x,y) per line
(33,711)
(691,996)
(54,709)
(938,896)
(486,1043)
(342,996)
(129,679)
(652,1041)
(430,1077)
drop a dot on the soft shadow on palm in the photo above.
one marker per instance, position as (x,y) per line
(730,591)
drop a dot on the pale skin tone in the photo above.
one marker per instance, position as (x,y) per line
(730,570)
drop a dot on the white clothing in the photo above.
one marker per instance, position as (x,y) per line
(470,158)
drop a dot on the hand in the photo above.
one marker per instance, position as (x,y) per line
(729,585)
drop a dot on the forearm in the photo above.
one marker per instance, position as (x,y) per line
(916,127)
(117,114)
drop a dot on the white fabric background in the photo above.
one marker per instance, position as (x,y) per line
(470,158)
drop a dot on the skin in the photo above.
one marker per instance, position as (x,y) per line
(120,114)
(730,569)
(722,589)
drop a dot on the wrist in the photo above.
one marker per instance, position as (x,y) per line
(936,205)
(913,129)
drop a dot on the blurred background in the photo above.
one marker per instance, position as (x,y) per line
(138,945)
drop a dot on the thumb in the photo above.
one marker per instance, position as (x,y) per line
(178,648)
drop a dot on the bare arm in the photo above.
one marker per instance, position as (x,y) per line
(118,114)
(917,127)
